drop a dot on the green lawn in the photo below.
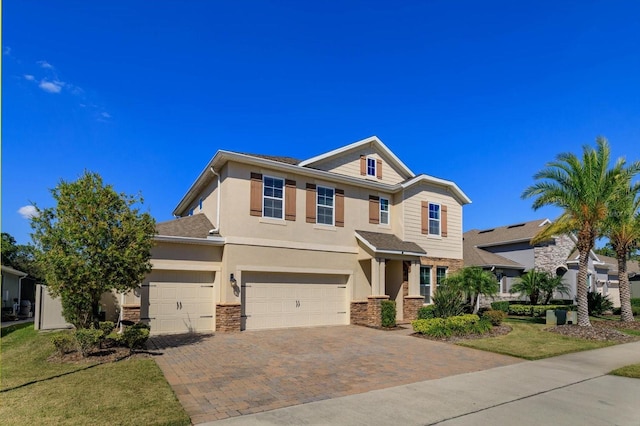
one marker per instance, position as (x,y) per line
(36,391)
(528,340)
(632,371)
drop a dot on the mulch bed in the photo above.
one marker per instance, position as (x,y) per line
(499,330)
(600,330)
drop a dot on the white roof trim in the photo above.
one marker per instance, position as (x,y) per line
(440,182)
(375,250)
(12,271)
(370,140)
(214,241)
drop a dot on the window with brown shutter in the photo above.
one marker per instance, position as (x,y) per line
(363,165)
(256,195)
(443,229)
(379,168)
(424,217)
(311,203)
(290,200)
(340,207)
(374,202)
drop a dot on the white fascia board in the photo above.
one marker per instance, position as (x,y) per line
(440,182)
(373,139)
(188,196)
(210,241)
(375,250)
(10,270)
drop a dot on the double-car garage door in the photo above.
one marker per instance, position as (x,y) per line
(180,302)
(280,300)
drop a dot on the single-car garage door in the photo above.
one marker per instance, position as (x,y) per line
(180,301)
(279,300)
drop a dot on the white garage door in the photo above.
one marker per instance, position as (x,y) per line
(293,300)
(180,302)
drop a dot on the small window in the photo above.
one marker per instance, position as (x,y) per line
(200,204)
(371,166)
(384,211)
(434,219)
(441,274)
(273,197)
(324,206)
(425,283)
(190,212)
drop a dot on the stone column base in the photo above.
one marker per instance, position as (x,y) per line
(411,306)
(374,310)
(131,313)
(359,312)
(228,318)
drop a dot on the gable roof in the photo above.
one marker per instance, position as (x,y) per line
(373,141)
(633,267)
(388,243)
(518,232)
(196,226)
(474,256)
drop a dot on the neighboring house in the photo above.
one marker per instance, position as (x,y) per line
(507,252)
(270,242)
(17,291)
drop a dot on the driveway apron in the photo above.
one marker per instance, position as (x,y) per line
(226,375)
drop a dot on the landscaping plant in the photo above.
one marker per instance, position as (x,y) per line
(388,312)
(598,304)
(474,282)
(427,312)
(448,301)
(494,317)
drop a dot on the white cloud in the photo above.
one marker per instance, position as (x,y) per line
(45,64)
(28,212)
(29,77)
(51,86)
(106,115)
(6,51)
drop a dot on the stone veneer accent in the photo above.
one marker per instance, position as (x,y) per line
(374,310)
(411,306)
(452,265)
(548,256)
(131,313)
(359,312)
(228,317)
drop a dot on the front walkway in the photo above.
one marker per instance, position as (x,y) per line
(229,375)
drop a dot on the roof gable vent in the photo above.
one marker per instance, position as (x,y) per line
(486,230)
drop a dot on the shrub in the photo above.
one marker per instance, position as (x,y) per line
(427,312)
(459,325)
(635,301)
(635,310)
(598,304)
(388,312)
(135,337)
(495,317)
(482,326)
(448,301)
(106,327)
(536,311)
(435,327)
(88,339)
(501,306)
(64,343)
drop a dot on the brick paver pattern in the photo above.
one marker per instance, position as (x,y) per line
(225,375)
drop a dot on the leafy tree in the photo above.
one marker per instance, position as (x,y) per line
(622,226)
(608,250)
(20,256)
(474,281)
(94,240)
(584,189)
(536,284)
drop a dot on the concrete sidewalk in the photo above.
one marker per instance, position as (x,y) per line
(568,389)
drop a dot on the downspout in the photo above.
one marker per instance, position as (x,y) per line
(20,294)
(217,199)
(121,311)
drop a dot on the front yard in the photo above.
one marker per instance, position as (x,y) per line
(36,390)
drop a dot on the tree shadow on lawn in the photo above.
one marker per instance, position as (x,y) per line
(14,327)
(527,320)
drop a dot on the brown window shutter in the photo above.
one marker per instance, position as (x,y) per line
(374,209)
(443,220)
(290,200)
(311,203)
(363,165)
(425,217)
(256,194)
(340,207)
(379,168)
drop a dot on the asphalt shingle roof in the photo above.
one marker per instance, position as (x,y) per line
(279,159)
(196,226)
(389,242)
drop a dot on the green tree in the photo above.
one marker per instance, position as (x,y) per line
(537,285)
(475,282)
(622,227)
(20,256)
(94,240)
(584,189)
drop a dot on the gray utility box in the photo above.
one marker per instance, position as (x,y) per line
(561,317)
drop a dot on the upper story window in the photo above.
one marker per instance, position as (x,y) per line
(371,166)
(384,211)
(324,206)
(273,197)
(434,219)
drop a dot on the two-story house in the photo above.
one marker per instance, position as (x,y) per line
(270,242)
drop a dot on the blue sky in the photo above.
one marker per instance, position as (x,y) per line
(144,93)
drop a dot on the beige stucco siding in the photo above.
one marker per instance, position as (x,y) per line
(447,247)
(349,164)
(209,196)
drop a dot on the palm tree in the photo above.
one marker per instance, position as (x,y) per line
(474,281)
(584,189)
(550,285)
(622,227)
(529,285)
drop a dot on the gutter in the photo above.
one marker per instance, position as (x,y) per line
(212,241)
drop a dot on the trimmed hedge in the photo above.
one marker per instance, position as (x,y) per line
(536,310)
(501,306)
(635,310)
(459,325)
(495,317)
(427,312)
(388,312)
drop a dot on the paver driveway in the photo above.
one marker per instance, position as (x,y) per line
(227,375)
